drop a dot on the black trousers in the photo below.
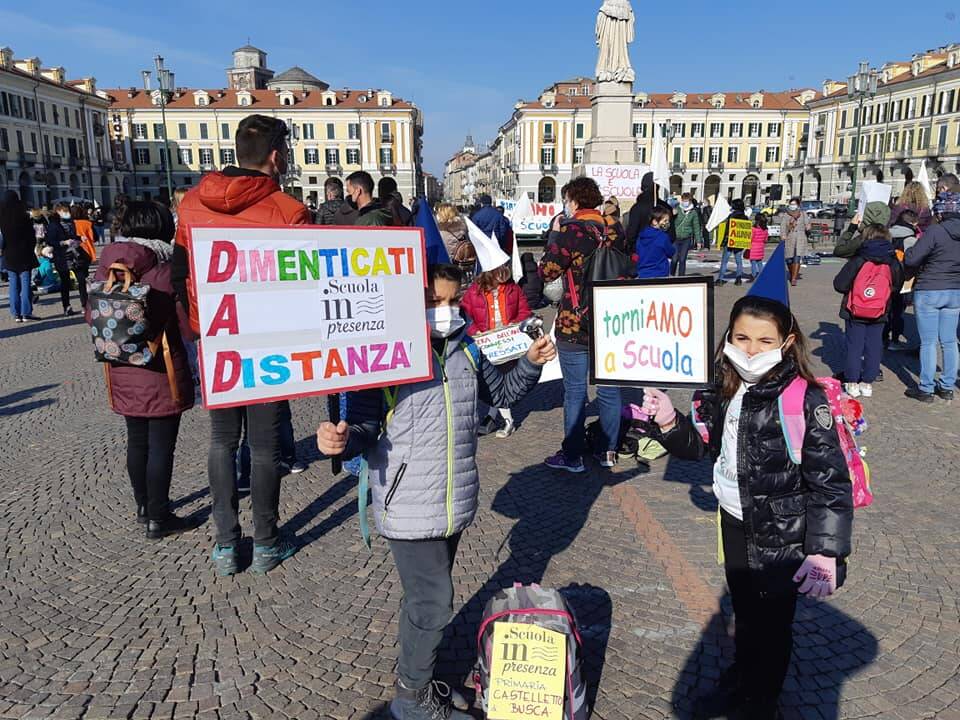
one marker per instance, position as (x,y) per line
(763,625)
(425,568)
(150,446)
(262,433)
(81,273)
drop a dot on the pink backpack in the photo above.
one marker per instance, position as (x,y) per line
(845,414)
(871,291)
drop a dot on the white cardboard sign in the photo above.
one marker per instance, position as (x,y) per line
(656,333)
(503,345)
(297,311)
(620,181)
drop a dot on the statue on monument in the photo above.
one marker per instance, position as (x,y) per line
(615,31)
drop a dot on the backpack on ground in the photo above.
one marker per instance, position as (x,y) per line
(869,297)
(539,607)
(633,442)
(846,415)
(119,320)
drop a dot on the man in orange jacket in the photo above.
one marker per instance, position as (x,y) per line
(244,195)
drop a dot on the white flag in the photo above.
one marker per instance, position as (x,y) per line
(721,211)
(659,164)
(924,179)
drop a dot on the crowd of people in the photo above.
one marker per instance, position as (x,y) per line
(785,521)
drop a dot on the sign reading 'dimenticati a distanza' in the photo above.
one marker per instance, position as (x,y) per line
(655,333)
(296,311)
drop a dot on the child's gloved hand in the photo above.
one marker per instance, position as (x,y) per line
(819,576)
(542,351)
(332,439)
(659,407)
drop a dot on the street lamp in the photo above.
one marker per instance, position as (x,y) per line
(293,170)
(165,84)
(860,86)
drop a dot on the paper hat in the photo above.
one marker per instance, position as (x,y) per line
(489,254)
(436,249)
(772,282)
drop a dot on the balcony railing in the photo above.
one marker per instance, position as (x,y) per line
(3,157)
(334,169)
(51,161)
(678,167)
(550,138)
(754,165)
(26,158)
(937,151)
(549,168)
(715,165)
(207,167)
(75,161)
(386,138)
(388,168)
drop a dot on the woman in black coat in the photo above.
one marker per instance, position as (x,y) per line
(786,526)
(19,257)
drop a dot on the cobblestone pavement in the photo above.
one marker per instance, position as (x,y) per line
(97,622)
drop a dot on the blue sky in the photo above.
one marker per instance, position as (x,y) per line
(466,64)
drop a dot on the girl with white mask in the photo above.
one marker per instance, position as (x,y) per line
(785,521)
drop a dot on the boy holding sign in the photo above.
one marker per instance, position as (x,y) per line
(419,444)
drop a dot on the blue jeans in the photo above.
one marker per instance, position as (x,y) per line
(756,267)
(21,299)
(938,312)
(678,265)
(864,351)
(575,367)
(725,258)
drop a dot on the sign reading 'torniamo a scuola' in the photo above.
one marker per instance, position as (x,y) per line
(296,311)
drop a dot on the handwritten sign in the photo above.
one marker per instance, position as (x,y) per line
(534,224)
(620,181)
(528,673)
(740,235)
(503,345)
(653,332)
(291,312)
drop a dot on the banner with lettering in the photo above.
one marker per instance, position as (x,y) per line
(740,235)
(298,311)
(535,221)
(620,181)
(656,333)
(528,672)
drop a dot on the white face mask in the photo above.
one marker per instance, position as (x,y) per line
(753,369)
(444,320)
(794,208)
(64,216)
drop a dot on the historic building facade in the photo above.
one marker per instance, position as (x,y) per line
(53,140)
(333,132)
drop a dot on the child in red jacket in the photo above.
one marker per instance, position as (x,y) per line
(494,301)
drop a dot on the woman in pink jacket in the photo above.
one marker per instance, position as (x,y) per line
(758,245)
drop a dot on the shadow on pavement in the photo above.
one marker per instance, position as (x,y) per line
(16,397)
(334,494)
(699,476)
(544,529)
(39,325)
(24,407)
(829,648)
(831,349)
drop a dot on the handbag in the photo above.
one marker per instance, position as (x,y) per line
(119,320)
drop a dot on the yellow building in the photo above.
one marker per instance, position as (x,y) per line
(52,134)
(733,144)
(914,117)
(333,132)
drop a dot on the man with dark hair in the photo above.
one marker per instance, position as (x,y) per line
(244,195)
(370,212)
(948,182)
(387,187)
(490,221)
(328,212)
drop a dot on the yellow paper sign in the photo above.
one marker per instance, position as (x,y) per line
(527,678)
(741,234)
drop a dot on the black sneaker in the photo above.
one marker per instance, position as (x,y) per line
(488,426)
(172,525)
(917,394)
(142,514)
(738,282)
(433,702)
(944,394)
(725,697)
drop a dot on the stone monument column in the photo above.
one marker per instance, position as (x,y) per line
(612,140)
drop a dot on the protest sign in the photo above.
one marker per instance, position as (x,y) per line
(620,181)
(740,235)
(503,345)
(872,191)
(297,311)
(657,333)
(528,672)
(535,220)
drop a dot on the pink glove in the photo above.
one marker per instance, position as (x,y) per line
(820,572)
(657,405)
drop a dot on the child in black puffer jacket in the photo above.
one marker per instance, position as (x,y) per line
(786,526)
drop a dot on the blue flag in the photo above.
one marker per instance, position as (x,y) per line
(436,249)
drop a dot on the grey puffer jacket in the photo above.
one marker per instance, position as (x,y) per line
(422,453)
(936,256)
